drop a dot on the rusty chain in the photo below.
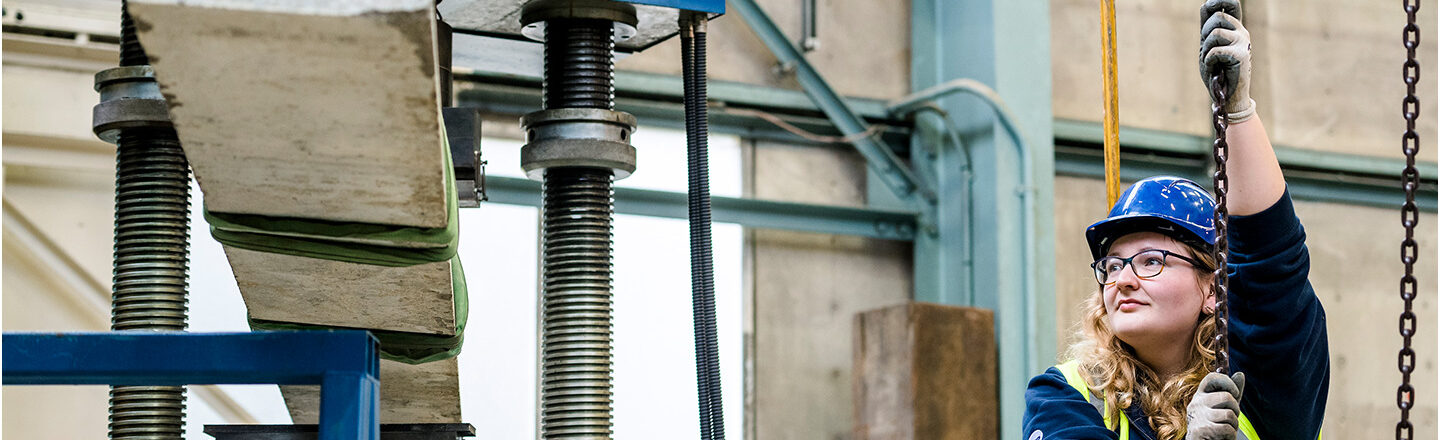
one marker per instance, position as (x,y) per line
(1222,225)
(1409,217)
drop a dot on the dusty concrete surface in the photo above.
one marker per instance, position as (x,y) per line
(1331,72)
(808,288)
(328,117)
(1355,269)
(864,48)
(1327,72)
(425,393)
(287,288)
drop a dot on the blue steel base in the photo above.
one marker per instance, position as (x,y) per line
(344,363)
(416,431)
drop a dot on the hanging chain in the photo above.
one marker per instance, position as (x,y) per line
(1409,216)
(1222,225)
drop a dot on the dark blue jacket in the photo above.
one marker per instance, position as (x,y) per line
(1277,337)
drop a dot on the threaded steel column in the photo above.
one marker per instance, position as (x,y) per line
(152,258)
(579,64)
(576,367)
(576,395)
(152,231)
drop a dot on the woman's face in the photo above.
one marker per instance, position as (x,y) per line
(1163,309)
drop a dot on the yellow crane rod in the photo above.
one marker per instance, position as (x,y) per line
(1112,103)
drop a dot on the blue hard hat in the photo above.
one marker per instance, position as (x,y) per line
(1176,207)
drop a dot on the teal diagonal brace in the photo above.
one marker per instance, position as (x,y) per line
(896,175)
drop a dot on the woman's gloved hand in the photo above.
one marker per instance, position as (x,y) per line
(1225,49)
(1214,412)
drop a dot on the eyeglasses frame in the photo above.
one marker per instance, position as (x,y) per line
(1129,262)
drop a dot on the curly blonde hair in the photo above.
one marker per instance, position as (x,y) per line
(1113,370)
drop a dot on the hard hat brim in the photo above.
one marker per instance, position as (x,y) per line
(1103,233)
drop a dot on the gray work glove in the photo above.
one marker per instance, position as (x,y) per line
(1225,47)
(1214,412)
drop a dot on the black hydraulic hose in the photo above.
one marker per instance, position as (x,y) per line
(702,271)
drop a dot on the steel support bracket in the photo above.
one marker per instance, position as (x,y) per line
(901,180)
(344,363)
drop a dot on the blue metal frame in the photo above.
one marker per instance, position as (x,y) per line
(994,42)
(754,213)
(344,363)
(711,6)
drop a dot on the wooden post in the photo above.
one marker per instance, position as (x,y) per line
(926,371)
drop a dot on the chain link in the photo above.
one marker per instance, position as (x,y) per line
(1222,225)
(1409,217)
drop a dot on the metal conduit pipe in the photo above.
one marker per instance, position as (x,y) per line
(578,145)
(952,131)
(925,98)
(152,230)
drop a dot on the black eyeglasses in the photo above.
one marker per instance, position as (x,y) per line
(1145,264)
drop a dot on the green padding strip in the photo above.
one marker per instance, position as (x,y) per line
(381,245)
(407,347)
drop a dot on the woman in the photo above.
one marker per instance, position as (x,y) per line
(1142,370)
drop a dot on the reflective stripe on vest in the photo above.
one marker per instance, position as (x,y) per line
(1071,370)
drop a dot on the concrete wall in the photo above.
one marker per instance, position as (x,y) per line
(808,289)
(1327,72)
(864,48)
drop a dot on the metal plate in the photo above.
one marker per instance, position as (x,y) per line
(501,19)
(419,431)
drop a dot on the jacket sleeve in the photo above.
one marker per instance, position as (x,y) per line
(1277,326)
(1056,411)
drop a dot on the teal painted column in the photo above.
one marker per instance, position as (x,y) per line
(1006,45)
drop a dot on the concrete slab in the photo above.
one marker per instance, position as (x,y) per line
(318,109)
(286,288)
(425,393)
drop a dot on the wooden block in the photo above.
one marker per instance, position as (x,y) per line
(307,109)
(288,288)
(425,393)
(926,371)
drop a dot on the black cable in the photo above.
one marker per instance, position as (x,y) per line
(702,272)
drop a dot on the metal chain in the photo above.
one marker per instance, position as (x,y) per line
(1409,217)
(1222,225)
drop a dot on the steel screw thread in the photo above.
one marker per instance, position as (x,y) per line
(152,257)
(579,64)
(149,413)
(152,233)
(576,341)
(131,53)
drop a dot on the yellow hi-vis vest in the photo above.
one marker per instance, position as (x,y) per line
(1071,370)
